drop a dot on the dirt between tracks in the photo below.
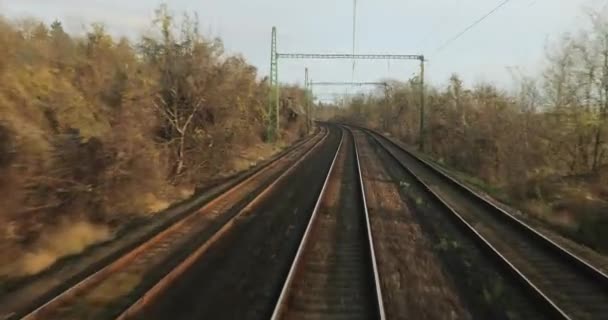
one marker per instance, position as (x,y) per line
(413,284)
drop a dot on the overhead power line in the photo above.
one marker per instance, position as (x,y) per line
(478,21)
(349,56)
(440,23)
(354,36)
(360,84)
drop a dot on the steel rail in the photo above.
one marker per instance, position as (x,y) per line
(370,238)
(551,305)
(23,300)
(282,302)
(587,267)
(165,282)
(108,269)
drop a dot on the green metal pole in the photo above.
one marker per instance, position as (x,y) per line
(422,129)
(306,100)
(273,96)
(277,95)
(312,97)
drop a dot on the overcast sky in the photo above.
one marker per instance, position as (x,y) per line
(513,37)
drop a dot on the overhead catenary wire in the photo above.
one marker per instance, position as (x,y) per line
(441,22)
(471,26)
(354,37)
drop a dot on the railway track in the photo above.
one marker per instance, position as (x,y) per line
(334,274)
(137,278)
(565,286)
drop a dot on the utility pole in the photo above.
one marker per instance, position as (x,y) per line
(306,100)
(273,123)
(422,129)
(273,99)
(312,97)
(387,95)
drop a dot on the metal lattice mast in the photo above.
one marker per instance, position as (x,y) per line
(312,97)
(274,81)
(422,128)
(360,84)
(339,83)
(307,101)
(273,99)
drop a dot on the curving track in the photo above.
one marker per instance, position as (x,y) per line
(565,286)
(334,274)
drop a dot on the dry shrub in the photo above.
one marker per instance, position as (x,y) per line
(92,129)
(544,144)
(7,152)
(251,155)
(601,187)
(7,176)
(67,238)
(135,181)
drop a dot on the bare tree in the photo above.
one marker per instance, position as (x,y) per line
(180,120)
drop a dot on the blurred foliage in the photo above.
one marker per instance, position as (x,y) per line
(89,124)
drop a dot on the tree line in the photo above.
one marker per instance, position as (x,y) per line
(542,146)
(97,127)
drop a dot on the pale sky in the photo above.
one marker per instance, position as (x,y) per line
(513,37)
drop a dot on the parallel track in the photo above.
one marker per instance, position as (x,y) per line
(168,254)
(334,274)
(566,286)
